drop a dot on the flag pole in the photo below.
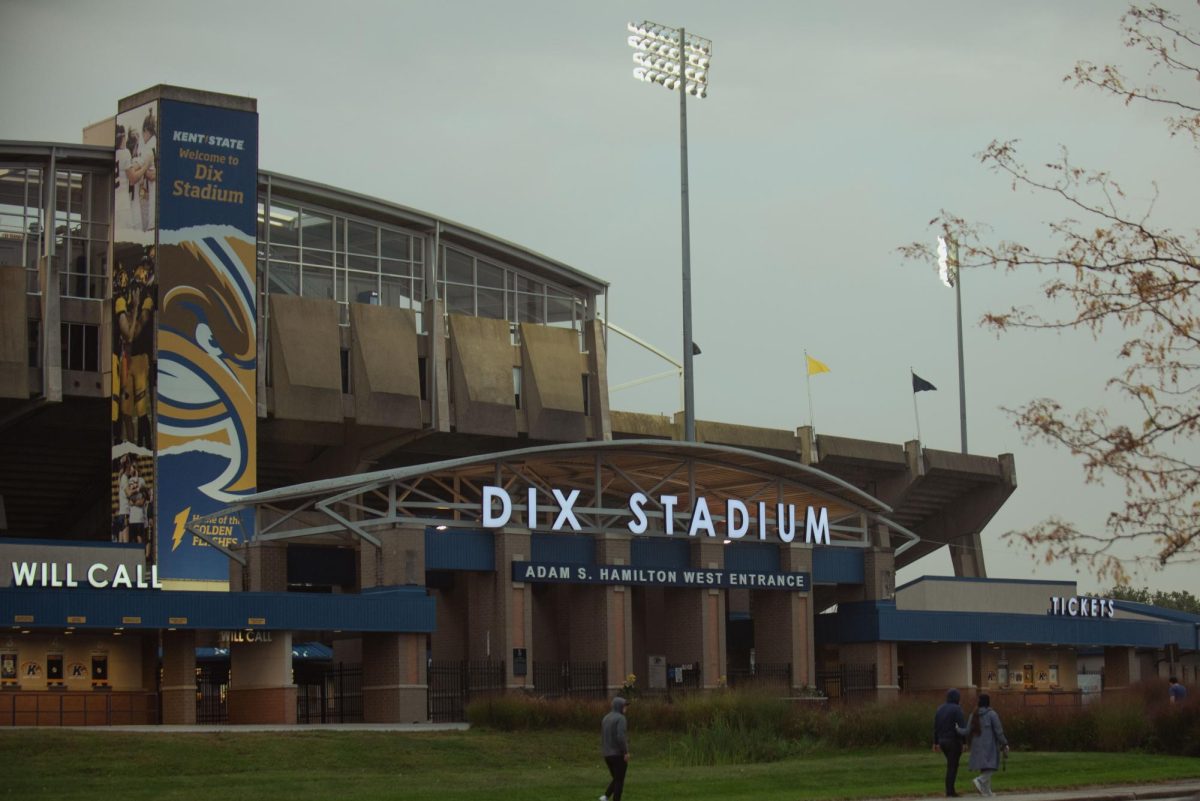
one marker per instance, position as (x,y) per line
(808,385)
(916,414)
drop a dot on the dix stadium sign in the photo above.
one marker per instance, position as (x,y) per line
(498,512)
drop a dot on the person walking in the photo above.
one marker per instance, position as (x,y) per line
(1176,692)
(987,743)
(948,721)
(614,745)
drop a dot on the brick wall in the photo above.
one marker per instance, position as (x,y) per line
(261,705)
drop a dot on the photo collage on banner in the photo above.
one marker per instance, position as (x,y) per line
(134,310)
(207,335)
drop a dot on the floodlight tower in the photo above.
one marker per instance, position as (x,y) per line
(951,274)
(677,61)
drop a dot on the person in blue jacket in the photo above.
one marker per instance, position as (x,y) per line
(987,743)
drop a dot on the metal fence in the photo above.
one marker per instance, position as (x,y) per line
(334,697)
(570,679)
(848,682)
(762,674)
(212,693)
(453,685)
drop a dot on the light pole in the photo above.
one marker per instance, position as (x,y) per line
(675,60)
(951,275)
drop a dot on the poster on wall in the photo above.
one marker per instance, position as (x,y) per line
(207,338)
(134,308)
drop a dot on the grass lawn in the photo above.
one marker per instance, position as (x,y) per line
(453,766)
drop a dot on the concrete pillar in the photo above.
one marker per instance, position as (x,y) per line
(395,686)
(179,677)
(615,629)
(883,656)
(709,554)
(399,562)
(966,555)
(266,567)
(783,621)
(879,574)
(512,608)
(260,680)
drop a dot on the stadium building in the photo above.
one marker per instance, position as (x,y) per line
(278,452)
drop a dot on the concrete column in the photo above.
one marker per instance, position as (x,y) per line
(266,567)
(616,628)
(512,607)
(879,574)
(966,555)
(260,681)
(883,656)
(783,621)
(179,677)
(709,554)
(597,365)
(395,686)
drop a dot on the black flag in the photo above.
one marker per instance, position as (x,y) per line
(920,384)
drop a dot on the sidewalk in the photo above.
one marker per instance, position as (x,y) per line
(1129,792)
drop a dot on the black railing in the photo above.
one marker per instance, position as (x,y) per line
(335,697)
(212,693)
(762,674)
(848,682)
(570,679)
(453,685)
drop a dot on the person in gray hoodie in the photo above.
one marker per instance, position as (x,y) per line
(987,743)
(614,745)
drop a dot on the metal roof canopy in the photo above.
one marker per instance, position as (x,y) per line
(606,473)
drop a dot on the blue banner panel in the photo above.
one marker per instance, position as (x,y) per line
(206,412)
(562,573)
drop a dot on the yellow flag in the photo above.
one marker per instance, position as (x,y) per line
(815,366)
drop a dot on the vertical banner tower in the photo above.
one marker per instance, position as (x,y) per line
(184,326)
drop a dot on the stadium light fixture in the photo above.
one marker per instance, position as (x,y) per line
(680,62)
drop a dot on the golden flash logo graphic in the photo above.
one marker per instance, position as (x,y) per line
(180,520)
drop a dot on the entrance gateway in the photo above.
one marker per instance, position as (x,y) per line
(595,559)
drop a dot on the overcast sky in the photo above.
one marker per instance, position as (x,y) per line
(832,134)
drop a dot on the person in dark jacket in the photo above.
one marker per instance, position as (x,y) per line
(987,744)
(948,721)
(614,745)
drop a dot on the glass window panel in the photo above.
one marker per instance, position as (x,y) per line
(530,301)
(364,288)
(283,252)
(283,279)
(317,283)
(316,230)
(418,254)
(285,225)
(459,267)
(395,292)
(362,238)
(460,299)
(394,267)
(560,310)
(91,348)
(394,245)
(418,291)
(491,303)
(489,275)
(368,264)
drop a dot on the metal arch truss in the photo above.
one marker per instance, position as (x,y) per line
(449,495)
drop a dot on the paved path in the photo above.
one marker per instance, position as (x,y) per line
(1170,791)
